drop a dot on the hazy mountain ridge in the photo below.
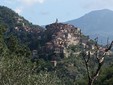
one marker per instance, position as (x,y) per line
(96,23)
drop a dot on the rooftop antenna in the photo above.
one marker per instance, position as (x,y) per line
(107,41)
(56,20)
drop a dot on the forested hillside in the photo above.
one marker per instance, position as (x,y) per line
(16,25)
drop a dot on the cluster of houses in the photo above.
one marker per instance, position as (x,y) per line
(60,37)
(22,26)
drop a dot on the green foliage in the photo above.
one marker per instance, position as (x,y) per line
(16,67)
(3,47)
(71,70)
(75,48)
(11,19)
(2,29)
(15,47)
(81,82)
(12,43)
(16,70)
(44,65)
(106,76)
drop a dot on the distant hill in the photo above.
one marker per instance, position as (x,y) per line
(16,25)
(96,23)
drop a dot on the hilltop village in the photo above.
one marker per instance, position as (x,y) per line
(59,37)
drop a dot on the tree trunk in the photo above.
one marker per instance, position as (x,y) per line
(90,82)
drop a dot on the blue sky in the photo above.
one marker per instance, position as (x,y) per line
(43,12)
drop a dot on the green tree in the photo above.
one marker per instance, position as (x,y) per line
(3,47)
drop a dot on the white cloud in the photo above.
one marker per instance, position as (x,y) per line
(18,10)
(31,2)
(22,4)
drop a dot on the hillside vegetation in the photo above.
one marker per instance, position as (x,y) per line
(31,55)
